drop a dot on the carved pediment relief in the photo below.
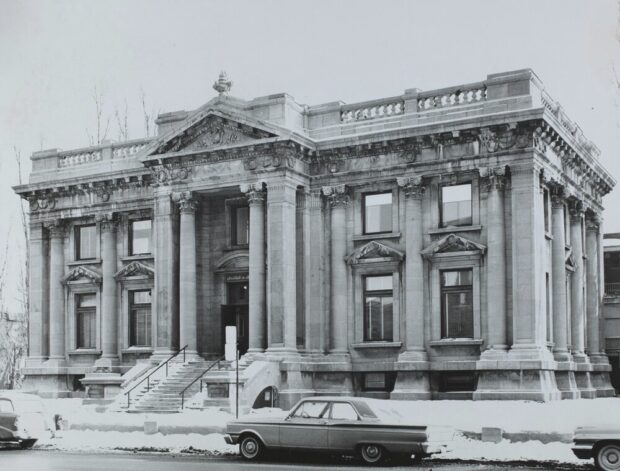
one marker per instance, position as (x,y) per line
(135,269)
(452,243)
(233,262)
(212,130)
(372,251)
(82,273)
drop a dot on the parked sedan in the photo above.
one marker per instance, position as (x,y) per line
(23,419)
(336,425)
(601,443)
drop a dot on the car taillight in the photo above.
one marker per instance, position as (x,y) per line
(18,425)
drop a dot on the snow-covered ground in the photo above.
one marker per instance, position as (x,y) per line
(560,417)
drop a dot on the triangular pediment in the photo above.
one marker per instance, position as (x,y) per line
(82,273)
(211,129)
(373,251)
(135,268)
(453,243)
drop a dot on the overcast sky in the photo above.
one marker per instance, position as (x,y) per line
(52,54)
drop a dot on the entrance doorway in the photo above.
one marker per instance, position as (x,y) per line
(235,313)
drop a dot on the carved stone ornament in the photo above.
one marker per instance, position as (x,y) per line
(57,228)
(412,186)
(186,201)
(593,221)
(42,202)
(452,243)
(576,209)
(135,268)
(557,192)
(254,191)
(223,84)
(165,174)
(374,250)
(488,140)
(108,221)
(82,272)
(493,178)
(337,195)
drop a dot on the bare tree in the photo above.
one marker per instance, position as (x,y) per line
(148,116)
(121,123)
(101,131)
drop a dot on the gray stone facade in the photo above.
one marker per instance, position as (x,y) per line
(530,247)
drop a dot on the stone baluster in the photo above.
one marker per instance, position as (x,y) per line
(57,232)
(187,272)
(414,270)
(109,307)
(558,274)
(577,312)
(338,201)
(256,315)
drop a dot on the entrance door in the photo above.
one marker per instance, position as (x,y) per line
(236,315)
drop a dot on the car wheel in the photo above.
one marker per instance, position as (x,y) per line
(25,444)
(371,454)
(250,447)
(608,457)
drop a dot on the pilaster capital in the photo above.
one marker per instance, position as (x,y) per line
(576,209)
(254,191)
(558,194)
(186,201)
(337,195)
(413,187)
(57,228)
(493,178)
(107,221)
(593,222)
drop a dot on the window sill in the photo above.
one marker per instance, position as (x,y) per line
(379,235)
(455,342)
(446,230)
(143,256)
(363,345)
(90,261)
(85,351)
(137,350)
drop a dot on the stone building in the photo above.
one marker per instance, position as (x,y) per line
(611,304)
(435,244)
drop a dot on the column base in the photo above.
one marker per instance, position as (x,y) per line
(562,356)
(102,385)
(281,353)
(565,380)
(412,385)
(107,364)
(55,362)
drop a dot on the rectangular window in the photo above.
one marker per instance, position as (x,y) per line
(456,205)
(546,210)
(86,318)
(140,318)
(378,213)
(140,237)
(240,225)
(457,310)
(378,321)
(85,242)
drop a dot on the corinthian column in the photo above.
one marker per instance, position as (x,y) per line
(256,201)
(577,311)
(592,289)
(496,261)
(109,312)
(338,201)
(558,274)
(57,232)
(39,302)
(187,272)
(414,270)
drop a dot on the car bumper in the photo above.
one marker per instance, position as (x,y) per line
(582,452)
(231,439)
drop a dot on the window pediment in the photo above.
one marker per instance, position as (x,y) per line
(135,269)
(82,273)
(235,261)
(374,251)
(453,244)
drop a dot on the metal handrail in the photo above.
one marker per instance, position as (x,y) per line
(148,377)
(182,393)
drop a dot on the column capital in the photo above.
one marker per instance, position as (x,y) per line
(108,221)
(186,201)
(254,191)
(337,195)
(493,178)
(593,221)
(558,194)
(412,186)
(57,228)
(576,209)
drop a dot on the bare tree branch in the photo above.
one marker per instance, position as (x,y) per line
(122,123)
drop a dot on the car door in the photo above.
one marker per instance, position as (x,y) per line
(343,427)
(7,419)
(306,426)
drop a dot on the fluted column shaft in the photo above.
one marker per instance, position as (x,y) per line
(558,273)
(338,200)
(256,200)
(496,261)
(414,269)
(187,273)
(577,311)
(592,289)
(109,312)
(57,293)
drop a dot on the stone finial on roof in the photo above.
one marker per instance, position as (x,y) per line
(223,84)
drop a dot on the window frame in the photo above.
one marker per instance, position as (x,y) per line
(455,289)
(364,213)
(325,409)
(79,312)
(130,242)
(233,225)
(132,305)
(331,411)
(442,224)
(377,293)
(77,235)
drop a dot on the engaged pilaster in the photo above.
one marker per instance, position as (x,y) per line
(338,199)
(558,274)
(592,289)
(187,271)
(577,310)
(39,302)
(57,231)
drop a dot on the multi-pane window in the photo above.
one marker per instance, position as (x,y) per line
(457,313)
(140,318)
(378,321)
(140,237)
(86,318)
(240,225)
(456,205)
(85,242)
(378,213)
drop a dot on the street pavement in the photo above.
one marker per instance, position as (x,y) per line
(34,460)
